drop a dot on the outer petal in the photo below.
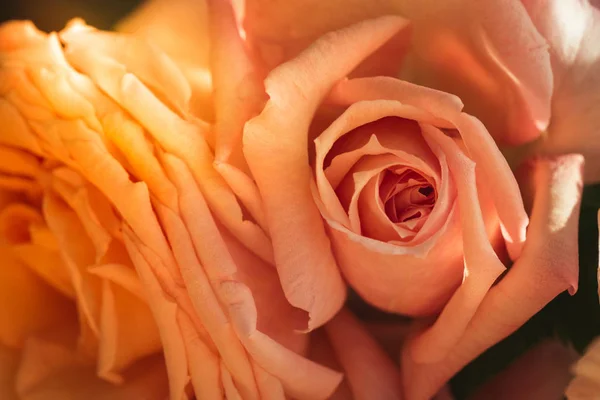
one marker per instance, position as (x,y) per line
(572,28)
(181,29)
(462,48)
(548,266)
(279,30)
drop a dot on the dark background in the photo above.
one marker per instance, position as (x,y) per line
(575,320)
(52,15)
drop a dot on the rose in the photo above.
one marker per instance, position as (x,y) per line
(305,91)
(112,113)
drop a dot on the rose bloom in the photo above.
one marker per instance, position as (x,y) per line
(410,197)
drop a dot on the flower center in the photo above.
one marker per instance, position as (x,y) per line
(407,196)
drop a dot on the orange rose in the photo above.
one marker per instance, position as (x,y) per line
(138,202)
(415,199)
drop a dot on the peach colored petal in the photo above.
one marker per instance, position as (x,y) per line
(133,55)
(238,92)
(9,360)
(437,103)
(189,146)
(394,280)
(494,167)
(238,95)
(181,29)
(481,264)
(322,352)
(164,310)
(270,388)
(204,365)
(370,373)
(299,377)
(572,30)
(45,352)
(462,48)
(78,253)
(23,229)
(127,331)
(279,164)
(278,31)
(547,267)
(147,379)
(28,304)
(481,147)
(543,372)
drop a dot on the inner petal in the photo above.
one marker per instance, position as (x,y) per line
(408,197)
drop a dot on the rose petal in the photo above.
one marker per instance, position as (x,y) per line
(164,310)
(28,304)
(572,29)
(547,267)
(463,45)
(181,29)
(300,378)
(481,263)
(279,164)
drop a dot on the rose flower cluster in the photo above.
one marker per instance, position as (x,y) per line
(190,205)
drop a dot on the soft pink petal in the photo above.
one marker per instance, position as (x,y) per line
(548,266)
